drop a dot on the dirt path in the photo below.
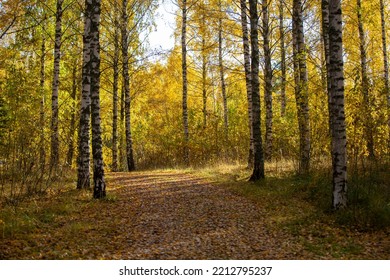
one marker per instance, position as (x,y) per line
(183,217)
(165,215)
(171,215)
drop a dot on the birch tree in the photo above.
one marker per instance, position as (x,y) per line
(55,141)
(336,104)
(248,76)
(99,188)
(126,85)
(115,92)
(83,162)
(385,65)
(184,76)
(222,72)
(267,79)
(301,86)
(258,166)
(282,59)
(42,150)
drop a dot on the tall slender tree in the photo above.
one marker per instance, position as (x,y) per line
(282,59)
(365,88)
(222,72)
(99,185)
(83,162)
(184,75)
(55,141)
(115,92)
(301,87)
(336,104)
(42,150)
(248,76)
(258,165)
(325,41)
(126,83)
(385,66)
(267,80)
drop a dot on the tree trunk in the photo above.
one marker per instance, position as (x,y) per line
(336,104)
(325,40)
(69,157)
(268,81)
(115,95)
(204,82)
(282,60)
(385,66)
(122,156)
(258,166)
(55,142)
(42,151)
(248,78)
(83,169)
(301,87)
(126,82)
(184,71)
(99,189)
(222,75)
(368,128)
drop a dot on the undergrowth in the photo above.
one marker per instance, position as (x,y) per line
(368,192)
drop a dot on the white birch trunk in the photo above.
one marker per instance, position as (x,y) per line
(99,189)
(248,78)
(83,162)
(339,139)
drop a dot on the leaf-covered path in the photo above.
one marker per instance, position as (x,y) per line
(163,215)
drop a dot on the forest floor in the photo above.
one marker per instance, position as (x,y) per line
(181,215)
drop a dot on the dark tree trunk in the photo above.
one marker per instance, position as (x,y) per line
(258,166)
(115,93)
(55,142)
(184,71)
(268,81)
(301,87)
(126,82)
(282,60)
(368,125)
(385,66)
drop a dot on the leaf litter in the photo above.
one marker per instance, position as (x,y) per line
(173,215)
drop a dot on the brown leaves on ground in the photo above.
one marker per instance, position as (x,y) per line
(171,215)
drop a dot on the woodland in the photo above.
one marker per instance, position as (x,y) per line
(263,132)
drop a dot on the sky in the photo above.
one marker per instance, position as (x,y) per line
(162,37)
